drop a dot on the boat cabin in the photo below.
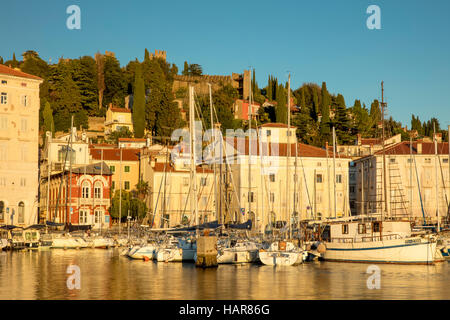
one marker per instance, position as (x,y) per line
(365,231)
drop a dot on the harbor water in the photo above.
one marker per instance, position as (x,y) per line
(105,274)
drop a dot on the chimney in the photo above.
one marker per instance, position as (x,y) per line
(419,147)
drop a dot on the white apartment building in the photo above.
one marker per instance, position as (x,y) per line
(412,171)
(19,134)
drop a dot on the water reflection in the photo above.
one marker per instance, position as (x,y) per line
(107,275)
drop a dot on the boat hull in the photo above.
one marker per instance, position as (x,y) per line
(280,258)
(398,251)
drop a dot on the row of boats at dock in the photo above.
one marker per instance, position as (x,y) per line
(350,240)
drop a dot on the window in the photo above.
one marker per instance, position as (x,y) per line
(21,212)
(127,168)
(97,190)
(251,198)
(113,185)
(427,160)
(4,123)
(4,82)
(352,189)
(269,133)
(318,178)
(185,181)
(392,160)
(2,182)
(112,168)
(97,216)
(83,217)
(410,160)
(319,164)
(24,100)
(23,182)
(445,160)
(361,228)
(319,215)
(2,210)
(24,125)
(376,226)
(3,98)
(272,177)
(3,156)
(85,190)
(203,181)
(345,229)
(272,197)
(23,153)
(339,178)
(127,185)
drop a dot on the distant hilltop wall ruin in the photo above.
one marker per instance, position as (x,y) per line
(200,83)
(159,54)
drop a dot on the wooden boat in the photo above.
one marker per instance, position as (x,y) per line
(377,242)
(281,253)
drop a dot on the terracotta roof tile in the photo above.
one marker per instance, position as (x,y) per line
(16,73)
(403,148)
(114,154)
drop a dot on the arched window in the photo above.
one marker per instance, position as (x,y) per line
(85,190)
(21,212)
(98,190)
(2,210)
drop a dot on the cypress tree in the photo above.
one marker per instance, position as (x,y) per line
(186,69)
(281,111)
(325,111)
(147,55)
(47,114)
(138,103)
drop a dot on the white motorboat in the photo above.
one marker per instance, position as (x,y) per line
(281,253)
(241,252)
(377,241)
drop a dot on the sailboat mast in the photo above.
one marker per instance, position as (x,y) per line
(70,172)
(288,155)
(193,156)
(436,178)
(250,148)
(213,155)
(120,191)
(334,171)
(386,205)
(410,176)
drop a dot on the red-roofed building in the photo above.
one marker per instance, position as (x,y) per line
(170,190)
(311,193)
(123,163)
(411,186)
(241,109)
(117,118)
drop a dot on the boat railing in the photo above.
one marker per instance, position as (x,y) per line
(367,239)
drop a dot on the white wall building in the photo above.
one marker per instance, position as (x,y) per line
(19,134)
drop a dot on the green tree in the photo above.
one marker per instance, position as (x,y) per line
(49,124)
(139,104)
(342,121)
(186,69)
(325,112)
(136,207)
(122,132)
(115,82)
(281,108)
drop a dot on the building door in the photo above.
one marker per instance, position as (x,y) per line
(98,219)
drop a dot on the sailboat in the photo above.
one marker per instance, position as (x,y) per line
(284,252)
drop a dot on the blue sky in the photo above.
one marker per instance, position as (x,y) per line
(315,40)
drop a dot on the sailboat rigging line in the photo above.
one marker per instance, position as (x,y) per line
(62,179)
(443,182)
(306,185)
(418,188)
